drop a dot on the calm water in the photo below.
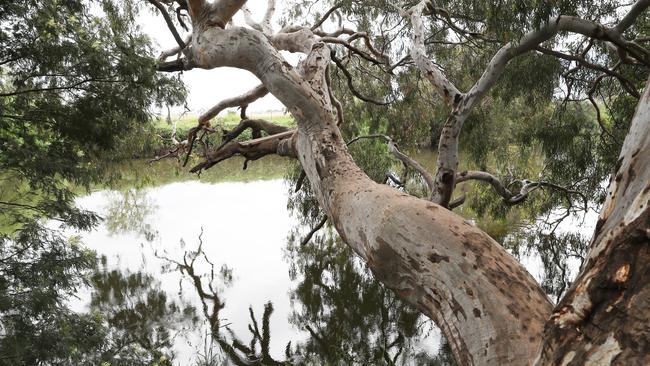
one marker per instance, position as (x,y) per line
(243,222)
(157,212)
(244,225)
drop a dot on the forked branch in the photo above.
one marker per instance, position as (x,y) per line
(280,144)
(170,23)
(527,187)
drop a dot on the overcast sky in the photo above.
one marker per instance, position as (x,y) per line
(208,87)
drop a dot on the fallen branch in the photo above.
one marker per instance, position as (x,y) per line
(279,144)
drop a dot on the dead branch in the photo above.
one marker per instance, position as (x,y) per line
(208,295)
(279,144)
(527,187)
(238,101)
(204,120)
(257,126)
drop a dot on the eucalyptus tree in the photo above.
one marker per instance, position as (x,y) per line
(488,306)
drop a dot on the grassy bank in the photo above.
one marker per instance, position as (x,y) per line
(226,121)
(151,139)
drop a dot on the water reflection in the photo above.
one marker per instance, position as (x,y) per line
(351,318)
(129,211)
(323,303)
(141,320)
(313,304)
(245,226)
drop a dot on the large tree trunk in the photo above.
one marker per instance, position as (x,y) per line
(605,317)
(488,306)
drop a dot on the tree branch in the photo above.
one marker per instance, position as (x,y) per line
(353,90)
(280,144)
(267,27)
(257,126)
(445,88)
(325,16)
(625,83)
(392,147)
(527,187)
(181,64)
(313,231)
(174,50)
(635,11)
(238,101)
(170,23)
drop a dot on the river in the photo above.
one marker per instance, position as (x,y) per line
(241,218)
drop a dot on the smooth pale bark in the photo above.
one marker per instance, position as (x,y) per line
(461,104)
(605,317)
(239,101)
(488,306)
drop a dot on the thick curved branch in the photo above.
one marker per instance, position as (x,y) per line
(391,231)
(238,101)
(447,90)
(635,11)
(531,40)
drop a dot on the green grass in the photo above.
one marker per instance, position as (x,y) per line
(227,121)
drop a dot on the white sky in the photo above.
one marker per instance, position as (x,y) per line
(208,87)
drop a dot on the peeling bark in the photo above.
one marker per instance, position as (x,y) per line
(605,316)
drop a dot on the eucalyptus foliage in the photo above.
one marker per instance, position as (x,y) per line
(75,75)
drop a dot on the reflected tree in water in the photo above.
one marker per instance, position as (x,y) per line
(141,320)
(351,318)
(129,211)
